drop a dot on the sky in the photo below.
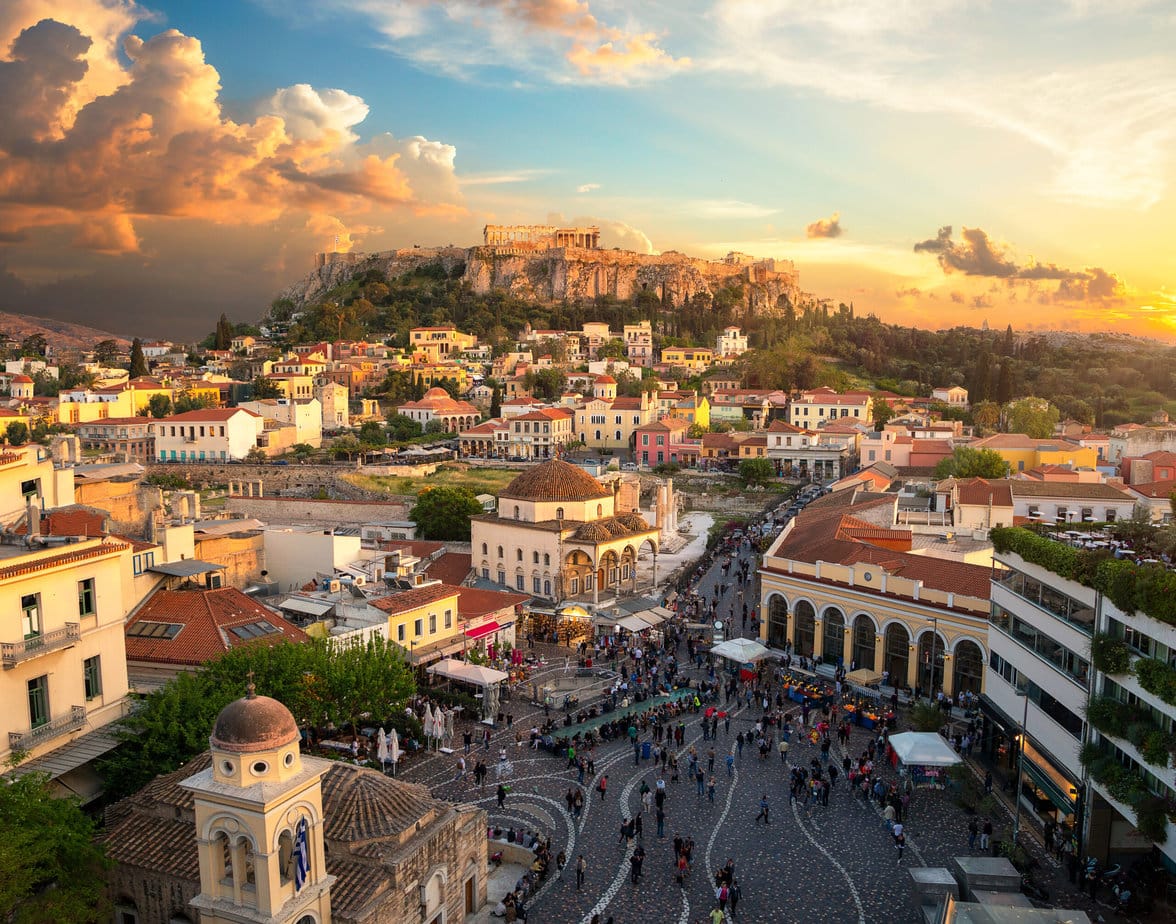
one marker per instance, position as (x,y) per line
(936,162)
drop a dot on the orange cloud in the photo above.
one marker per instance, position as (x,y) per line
(160,144)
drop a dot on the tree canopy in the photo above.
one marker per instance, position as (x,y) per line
(138,365)
(1034,417)
(52,867)
(756,471)
(319,681)
(965,462)
(444,513)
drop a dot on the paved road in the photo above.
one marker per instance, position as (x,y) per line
(834,864)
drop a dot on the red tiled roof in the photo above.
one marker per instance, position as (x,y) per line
(209,413)
(452,568)
(207,616)
(421,548)
(412,599)
(474,602)
(626,404)
(555,480)
(978,492)
(74,520)
(65,558)
(1154,489)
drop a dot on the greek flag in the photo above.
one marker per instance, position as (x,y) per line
(301,854)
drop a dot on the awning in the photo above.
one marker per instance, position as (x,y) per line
(924,749)
(468,673)
(1043,782)
(419,654)
(632,624)
(743,650)
(307,607)
(483,630)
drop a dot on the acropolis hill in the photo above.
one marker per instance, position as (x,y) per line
(546,263)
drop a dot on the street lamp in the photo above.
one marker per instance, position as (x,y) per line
(1024,691)
(934,656)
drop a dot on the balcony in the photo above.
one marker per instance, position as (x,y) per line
(13,653)
(24,741)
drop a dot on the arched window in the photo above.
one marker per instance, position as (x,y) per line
(285,856)
(516,511)
(483,548)
(500,551)
(600,510)
(559,515)
(546,559)
(535,558)
(518,554)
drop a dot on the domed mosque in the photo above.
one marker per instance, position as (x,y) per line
(254,831)
(560,533)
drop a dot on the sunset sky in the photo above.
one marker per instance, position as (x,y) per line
(934,161)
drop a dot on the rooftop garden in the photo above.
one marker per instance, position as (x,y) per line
(1143,588)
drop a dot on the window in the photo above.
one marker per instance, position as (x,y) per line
(253,630)
(535,585)
(30,619)
(547,588)
(449,616)
(432,624)
(500,551)
(519,581)
(546,559)
(501,576)
(559,513)
(92,676)
(1110,517)
(146,629)
(418,627)
(518,554)
(400,632)
(516,511)
(86,602)
(38,689)
(483,548)
(534,558)
(600,510)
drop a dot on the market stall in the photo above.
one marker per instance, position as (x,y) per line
(924,756)
(486,678)
(747,652)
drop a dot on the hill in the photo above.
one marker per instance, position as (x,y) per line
(61,334)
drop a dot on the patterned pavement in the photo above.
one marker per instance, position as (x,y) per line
(812,863)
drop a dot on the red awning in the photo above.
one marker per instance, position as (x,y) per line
(483,630)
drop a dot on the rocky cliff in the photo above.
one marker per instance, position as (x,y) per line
(575,274)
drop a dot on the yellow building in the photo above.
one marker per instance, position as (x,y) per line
(693,409)
(85,405)
(559,533)
(435,344)
(841,586)
(430,374)
(694,359)
(424,622)
(1024,453)
(605,421)
(143,389)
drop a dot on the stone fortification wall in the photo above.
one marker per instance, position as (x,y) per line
(574,273)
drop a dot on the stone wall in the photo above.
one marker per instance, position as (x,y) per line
(323,513)
(285,480)
(130,503)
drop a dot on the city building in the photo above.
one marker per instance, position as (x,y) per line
(210,434)
(953,396)
(558,533)
(1023,453)
(333,400)
(639,344)
(436,404)
(305,416)
(435,344)
(692,359)
(131,437)
(539,434)
(840,584)
(730,343)
(814,408)
(801,453)
(667,441)
(605,421)
(218,840)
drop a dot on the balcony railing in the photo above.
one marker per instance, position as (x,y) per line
(13,653)
(23,741)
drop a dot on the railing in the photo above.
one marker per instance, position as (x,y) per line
(23,741)
(12,653)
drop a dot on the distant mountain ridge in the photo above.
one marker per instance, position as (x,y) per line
(58,333)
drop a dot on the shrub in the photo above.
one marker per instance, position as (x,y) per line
(1157,747)
(926,717)
(1157,678)
(1109,654)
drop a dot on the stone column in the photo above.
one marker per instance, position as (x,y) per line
(879,651)
(847,647)
(655,568)
(912,676)
(818,638)
(595,584)
(791,630)
(946,675)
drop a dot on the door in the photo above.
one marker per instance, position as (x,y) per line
(469,896)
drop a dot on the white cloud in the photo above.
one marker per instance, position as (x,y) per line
(587,187)
(729,208)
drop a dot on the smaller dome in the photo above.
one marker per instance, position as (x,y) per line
(436,392)
(605,380)
(593,532)
(22,379)
(634,522)
(253,723)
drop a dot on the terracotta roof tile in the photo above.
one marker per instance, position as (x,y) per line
(207,617)
(555,480)
(452,568)
(475,602)
(406,600)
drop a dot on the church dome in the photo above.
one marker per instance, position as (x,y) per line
(634,522)
(435,392)
(593,532)
(254,723)
(555,480)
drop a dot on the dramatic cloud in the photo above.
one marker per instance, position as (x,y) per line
(160,146)
(612,233)
(976,254)
(559,40)
(825,227)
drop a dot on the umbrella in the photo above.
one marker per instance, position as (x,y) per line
(449,724)
(393,749)
(381,747)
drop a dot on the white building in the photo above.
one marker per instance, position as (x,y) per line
(306,416)
(731,342)
(952,396)
(295,555)
(814,408)
(207,435)
(332,398)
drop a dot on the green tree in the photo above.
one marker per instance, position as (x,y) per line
(186,401)
(222,337)
(17,433)
(882,413)
(105,352)
(34,346)
(496,401)
(986,416)
(1034,417)
(444,513)
(159,405)
(402,428)
(372,433)
(53,870)
(434,427)
(756,471)
(138,365)
(965,462)
(345,446)
(545,384)
(696,431)
(1004,383)
(319,681)
(265,388)
(612,349)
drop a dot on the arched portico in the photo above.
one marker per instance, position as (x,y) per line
(865,637)
(805,632)
(777,622)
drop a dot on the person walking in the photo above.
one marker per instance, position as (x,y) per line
(973,833)
(900,843)
(710,789)
(602,786)
(734,895)
(501,795)
(763,810)
(581,868)
(985,833)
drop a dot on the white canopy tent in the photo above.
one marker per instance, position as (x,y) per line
(467,673)
(742,650)
(924,749)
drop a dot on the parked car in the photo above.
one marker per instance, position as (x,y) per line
(629,467)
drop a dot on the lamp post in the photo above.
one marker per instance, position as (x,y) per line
(934,656)
(1024,691)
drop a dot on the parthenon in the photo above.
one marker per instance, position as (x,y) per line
(540,237)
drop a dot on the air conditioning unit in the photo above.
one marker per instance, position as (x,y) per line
(360,580)
(334,587)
